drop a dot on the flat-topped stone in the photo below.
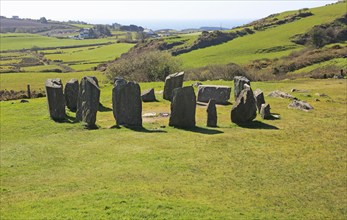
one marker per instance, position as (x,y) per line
(71,94)
(127,103)
(220,94)
(183,107)
(172,82)
(55,99)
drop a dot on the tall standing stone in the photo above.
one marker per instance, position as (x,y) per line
(55,99)
(259,98)
(171,82)
(244,108)
(71,94)
(183,106)
(211,113)
(127,103)
(239,82)
(88,101)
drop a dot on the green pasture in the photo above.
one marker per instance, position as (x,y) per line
(28,41)
(338,62)
(91,54)
(245,49)
(19,81)
(291,168)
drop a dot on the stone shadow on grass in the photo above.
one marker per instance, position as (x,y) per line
(103,108)
(257,125)
(202,130)
(138,129)
(67,119)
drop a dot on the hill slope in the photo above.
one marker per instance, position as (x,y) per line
(276,39)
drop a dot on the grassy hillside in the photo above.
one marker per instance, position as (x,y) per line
(291,168)
(245,49)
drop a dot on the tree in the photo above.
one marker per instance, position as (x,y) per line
(43,20)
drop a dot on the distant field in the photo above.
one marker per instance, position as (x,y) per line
(19,81)
(245,49)
(91,54)
(28,41)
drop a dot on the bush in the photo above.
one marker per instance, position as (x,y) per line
(215,72)
(144,67)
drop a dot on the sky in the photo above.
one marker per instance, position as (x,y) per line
(155,13)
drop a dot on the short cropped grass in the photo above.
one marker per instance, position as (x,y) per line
(292,168)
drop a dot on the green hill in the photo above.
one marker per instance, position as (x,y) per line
(276,39)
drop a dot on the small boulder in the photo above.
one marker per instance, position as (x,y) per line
(301,105)
(183,107)
(259,98)
(171,82)
(244,108)
(148,95)
(71,94)
(88,101)
(265,111)
(24,101)
(55,99)
(280,94)
(220,94)
(211,114)
(126,102)
(239,82)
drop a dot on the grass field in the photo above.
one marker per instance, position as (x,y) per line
(28,41)
(91,54)
(292,168)
(245,49)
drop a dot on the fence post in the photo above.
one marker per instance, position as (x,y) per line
(29,93)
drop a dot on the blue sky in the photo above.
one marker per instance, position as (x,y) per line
(151,11)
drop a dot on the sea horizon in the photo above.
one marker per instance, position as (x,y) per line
(177,24)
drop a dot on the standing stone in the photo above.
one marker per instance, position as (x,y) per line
(88,101)
(148,96)
(71,94)
(183,106)
(259,98)
(171,82)
(55,99)
(244,108)
(239,82)
(221,94)
(211,114)
(265,111)
(126,102)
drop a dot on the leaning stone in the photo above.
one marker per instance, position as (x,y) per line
(71,94)
(221,94)
(265,111)
(55,99)
(259,98)
(280,94)
(148,95)
(183,106)
(301,105)
(211,114)
(244,108)
(239,82)
(88,101)
(171,82)
(126,102)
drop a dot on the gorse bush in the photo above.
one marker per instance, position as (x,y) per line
(144,67)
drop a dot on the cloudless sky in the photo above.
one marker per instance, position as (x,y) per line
(154,11)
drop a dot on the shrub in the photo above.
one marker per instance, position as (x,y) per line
(144,67)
